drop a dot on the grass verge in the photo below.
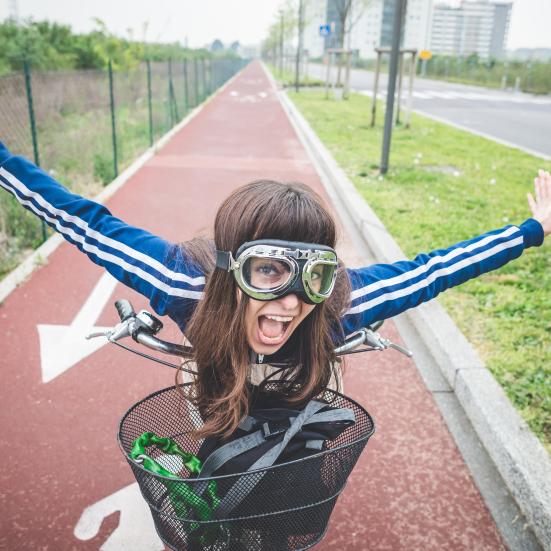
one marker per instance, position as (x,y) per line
(287,77)
(444,186)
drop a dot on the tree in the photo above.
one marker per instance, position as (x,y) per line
(45,45)
(281,30)
(217,46)
(348,13)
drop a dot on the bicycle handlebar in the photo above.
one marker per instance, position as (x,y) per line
(124,309)
(143,327)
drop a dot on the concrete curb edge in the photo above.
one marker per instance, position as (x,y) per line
(38,258)
(520,458)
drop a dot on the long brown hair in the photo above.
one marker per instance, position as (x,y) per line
(260,210)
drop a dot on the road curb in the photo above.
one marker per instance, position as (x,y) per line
(518,455)
(38,258)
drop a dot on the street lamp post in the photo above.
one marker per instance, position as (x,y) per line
(282,27)
(391,88)
(299,47)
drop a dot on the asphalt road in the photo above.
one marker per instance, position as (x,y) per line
(518,119)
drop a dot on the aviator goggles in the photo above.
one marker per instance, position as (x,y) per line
(268,269)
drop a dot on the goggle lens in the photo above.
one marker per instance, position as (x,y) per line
(266,273)
(321,278)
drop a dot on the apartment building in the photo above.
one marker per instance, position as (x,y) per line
(479,27)
(372,24)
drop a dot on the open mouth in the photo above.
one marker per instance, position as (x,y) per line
(272,330)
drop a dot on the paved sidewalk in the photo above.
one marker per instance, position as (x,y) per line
(410,489)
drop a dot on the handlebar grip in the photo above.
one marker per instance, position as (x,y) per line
(125,309)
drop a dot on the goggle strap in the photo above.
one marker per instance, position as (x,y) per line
(224,260)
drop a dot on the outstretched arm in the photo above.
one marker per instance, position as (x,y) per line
(382,291)
(144,262)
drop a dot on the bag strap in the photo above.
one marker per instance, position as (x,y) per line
(232,449)
(339,414)
(244,485)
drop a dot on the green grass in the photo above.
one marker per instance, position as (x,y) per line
(287,78)
(445,185)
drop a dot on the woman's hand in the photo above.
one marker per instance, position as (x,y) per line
(541,206)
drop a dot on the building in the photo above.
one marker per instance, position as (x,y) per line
(314,16)
(479,27)
(372,26)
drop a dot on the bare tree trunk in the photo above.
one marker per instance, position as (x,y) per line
(339,57)
(343,9)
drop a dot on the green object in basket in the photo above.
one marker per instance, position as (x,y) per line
(181,495)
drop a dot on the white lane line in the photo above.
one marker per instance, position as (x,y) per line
(471,96)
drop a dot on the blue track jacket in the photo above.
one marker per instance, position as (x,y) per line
(172,283)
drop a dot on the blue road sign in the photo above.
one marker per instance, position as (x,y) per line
(325,30)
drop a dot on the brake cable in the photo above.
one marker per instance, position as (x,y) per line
(153,358)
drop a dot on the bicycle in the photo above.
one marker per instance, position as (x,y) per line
(303,457)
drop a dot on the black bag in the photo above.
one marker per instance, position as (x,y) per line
(269,436)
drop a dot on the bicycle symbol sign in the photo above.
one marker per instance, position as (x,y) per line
(325,30)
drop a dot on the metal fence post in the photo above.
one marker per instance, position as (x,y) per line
(113,125)
(172,96)
(196,81)
(169,95)
(29,91)
(203,78)
(186,87)
(209,76)
(149,103)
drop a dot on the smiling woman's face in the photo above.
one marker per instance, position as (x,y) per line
(269,324)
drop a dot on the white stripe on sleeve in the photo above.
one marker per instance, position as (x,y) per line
(435,275)
(117,245)
(382,284)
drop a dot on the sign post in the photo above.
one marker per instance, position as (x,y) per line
(424,56)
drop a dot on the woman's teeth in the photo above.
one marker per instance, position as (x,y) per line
(284,319)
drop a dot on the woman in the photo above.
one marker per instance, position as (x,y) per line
(269,288)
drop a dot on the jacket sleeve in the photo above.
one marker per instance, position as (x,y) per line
(385,290)
(146,263)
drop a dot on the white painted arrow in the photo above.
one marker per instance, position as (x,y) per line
(62,346)
(135,532)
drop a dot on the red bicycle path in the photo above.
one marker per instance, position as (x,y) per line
(410,489)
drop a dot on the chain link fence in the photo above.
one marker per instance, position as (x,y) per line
(84,127)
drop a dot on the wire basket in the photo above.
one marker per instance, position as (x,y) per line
(287,510)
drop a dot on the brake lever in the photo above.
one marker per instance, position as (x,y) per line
(120,331)
(130,327)
(376,341)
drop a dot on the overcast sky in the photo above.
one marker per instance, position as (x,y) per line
(201,21)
